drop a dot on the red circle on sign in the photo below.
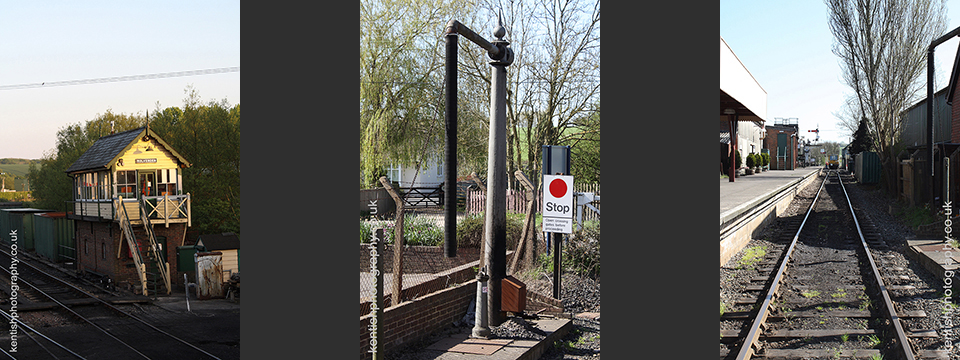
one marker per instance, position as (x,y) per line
(558,188)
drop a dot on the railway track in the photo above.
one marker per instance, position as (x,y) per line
(819,292)
(58,320)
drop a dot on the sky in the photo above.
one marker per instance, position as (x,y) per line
(63,41)
(787,47)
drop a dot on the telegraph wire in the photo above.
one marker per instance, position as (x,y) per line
(122,78)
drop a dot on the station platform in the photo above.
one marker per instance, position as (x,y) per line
(738,196)
(753,201)
(459,346)
(934,255)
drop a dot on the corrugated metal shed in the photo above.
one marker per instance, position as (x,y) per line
(914,119)
(867,167)
(209,275)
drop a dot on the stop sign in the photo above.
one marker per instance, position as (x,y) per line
(558,196)
(558,188)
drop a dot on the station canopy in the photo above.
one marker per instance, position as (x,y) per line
(738,88)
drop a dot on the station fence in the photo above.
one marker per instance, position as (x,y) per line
(517,201)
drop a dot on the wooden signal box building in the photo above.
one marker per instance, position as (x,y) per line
(130,210)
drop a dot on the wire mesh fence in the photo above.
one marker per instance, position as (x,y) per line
(421,268)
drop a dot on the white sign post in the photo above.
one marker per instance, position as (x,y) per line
(558,204)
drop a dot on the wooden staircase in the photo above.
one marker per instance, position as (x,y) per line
(155,258)
(148,257)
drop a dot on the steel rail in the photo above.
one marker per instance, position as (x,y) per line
(107,304)
(25,282)
(746,350)
(24,325)
(887,302)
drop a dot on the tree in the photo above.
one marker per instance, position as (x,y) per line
(51,187)
(584,145)
(208,136)
(554,81)
(881,46)
(552,84)
(862,140)
(401,83)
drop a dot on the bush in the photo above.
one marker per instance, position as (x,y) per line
(766,159)
(751,161)
(738,161)
(581,254)
(417,231)
(14,196)
(367,228)
(422,231)
(470,230)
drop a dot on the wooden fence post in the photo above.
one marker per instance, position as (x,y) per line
(483,242)
(397,242)
(525,245)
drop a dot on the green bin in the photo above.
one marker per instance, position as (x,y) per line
(185,257)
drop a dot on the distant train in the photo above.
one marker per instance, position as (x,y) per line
(833,162)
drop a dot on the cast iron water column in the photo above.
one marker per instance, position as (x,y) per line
(450,153)
(495,242)
(496,213)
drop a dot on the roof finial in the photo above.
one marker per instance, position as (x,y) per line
(499,31)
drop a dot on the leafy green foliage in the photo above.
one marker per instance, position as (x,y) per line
(50,186)
(915,216)
(862,139)
(470,230)
(208,136)
(581,253)
(584,142)
(15,196)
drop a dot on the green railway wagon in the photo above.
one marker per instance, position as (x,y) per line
(53,236)
(18,222)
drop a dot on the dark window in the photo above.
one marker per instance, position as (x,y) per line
(127,184)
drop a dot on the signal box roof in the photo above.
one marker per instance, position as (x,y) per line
(106,150)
